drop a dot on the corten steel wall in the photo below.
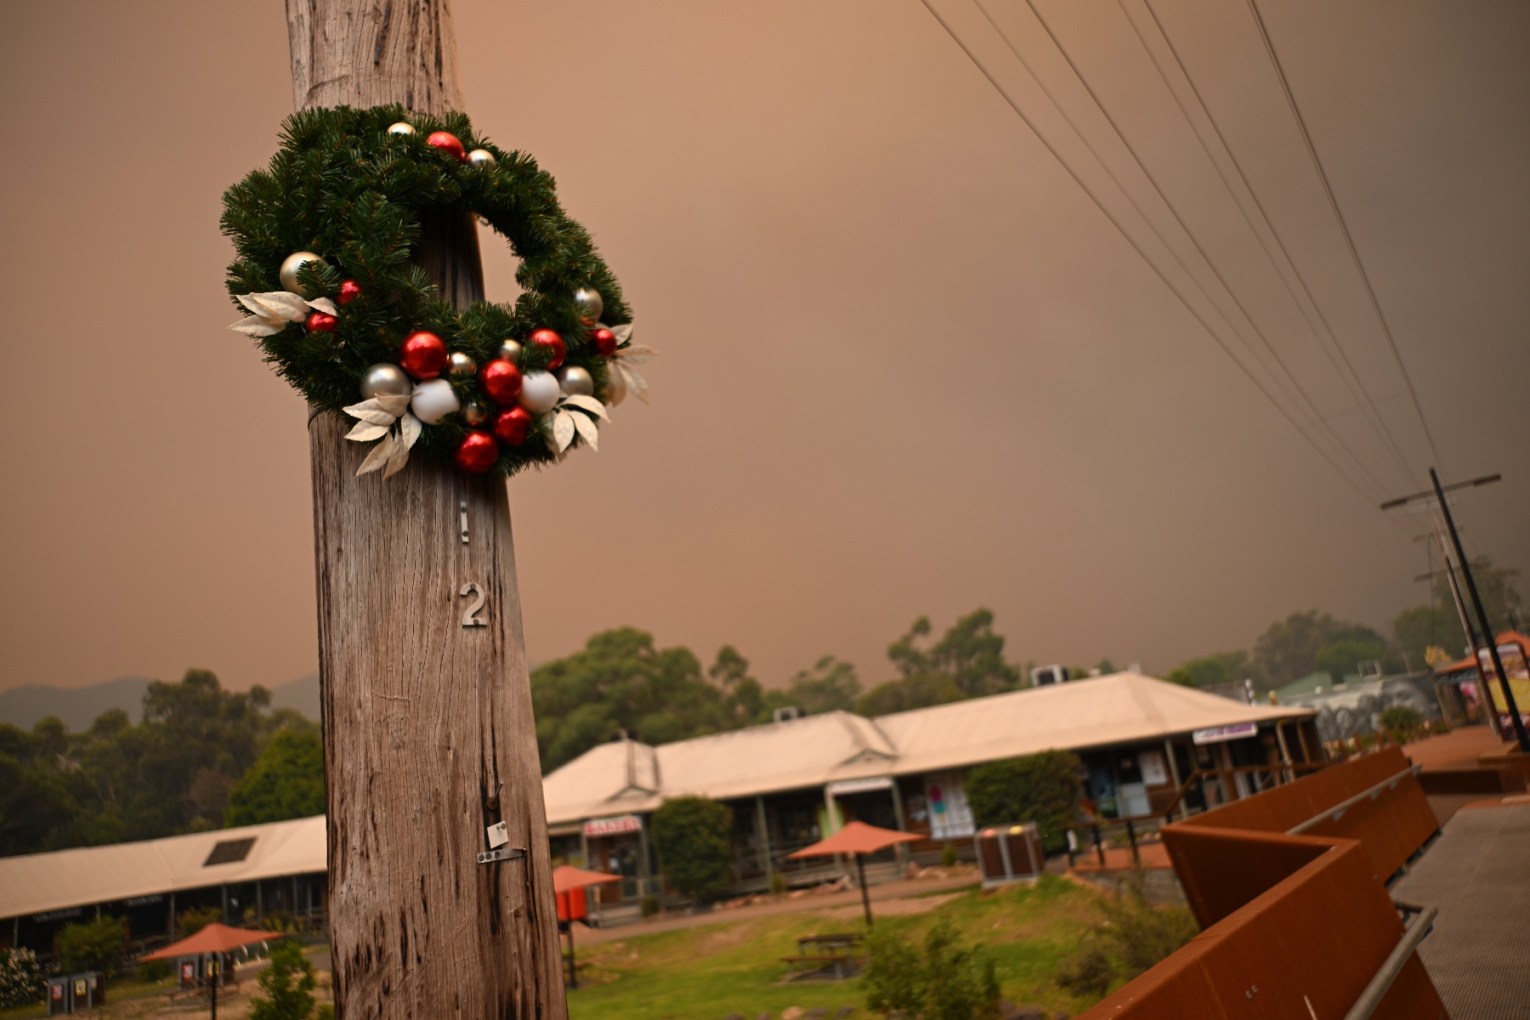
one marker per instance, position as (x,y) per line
(1295,926)
(1391,825)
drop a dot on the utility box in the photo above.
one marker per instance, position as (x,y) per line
(1009,854)
(573,905)
(58,996)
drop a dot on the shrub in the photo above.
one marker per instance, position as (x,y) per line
(650,907)
(91,945)
(1401,723)
(694,837)
(21,978)
(193,919)
(777,884)
(1043,788)
(155,970)
(288,983)
(948,856)
(1088,975)
(948,981)
(1134,936)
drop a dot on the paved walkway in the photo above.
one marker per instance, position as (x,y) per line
(1476,874)
(1457,749)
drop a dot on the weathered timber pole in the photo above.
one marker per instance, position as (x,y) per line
(428,731)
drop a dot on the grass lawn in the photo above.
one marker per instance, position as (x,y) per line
(715,970)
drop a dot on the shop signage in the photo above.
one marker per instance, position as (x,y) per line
(616,826)
(1217,734)
(848,786)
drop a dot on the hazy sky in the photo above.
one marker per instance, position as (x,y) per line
(908,366)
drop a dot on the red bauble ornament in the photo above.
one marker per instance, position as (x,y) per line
(604,341)
(350,290)
(513,426)
(501,380)
(448,142)
(477,452)
(554,343)
(320,322)
(423,355)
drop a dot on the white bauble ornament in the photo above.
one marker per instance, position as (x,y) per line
(385,380)
(289,271)
(510,350)
(482,157)
(401,127)
(539,392)
(576,380)
(433,400)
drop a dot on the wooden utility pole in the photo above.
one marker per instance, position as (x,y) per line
(428,731)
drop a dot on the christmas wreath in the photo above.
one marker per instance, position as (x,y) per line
(325,241)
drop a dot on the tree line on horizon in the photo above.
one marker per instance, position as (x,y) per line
(205,758)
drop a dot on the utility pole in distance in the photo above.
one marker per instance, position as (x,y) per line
(428,731)
(1489,636)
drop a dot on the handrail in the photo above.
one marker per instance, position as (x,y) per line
(1333,814)
(1376,990)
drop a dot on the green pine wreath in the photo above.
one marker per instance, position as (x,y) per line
(325,241)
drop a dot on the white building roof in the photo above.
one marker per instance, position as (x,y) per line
(38,883)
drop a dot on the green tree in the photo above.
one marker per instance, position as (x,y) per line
(288,984)
(1215,670)
(286,781)
(620,682)
(1044,788)
(970,653)
(744,697)
(831,685)
(1308,642)
(694,838)
(919,691)
(91,945)
(1438,624)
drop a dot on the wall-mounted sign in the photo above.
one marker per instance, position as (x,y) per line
(616,826)
(845,787)
(1217,734)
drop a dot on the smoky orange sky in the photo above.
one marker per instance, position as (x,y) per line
(908,365)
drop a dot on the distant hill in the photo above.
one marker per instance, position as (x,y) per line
(302,695)
(78,707)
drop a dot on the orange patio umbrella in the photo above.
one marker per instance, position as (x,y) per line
(859,839)
(567,877)
(215,938)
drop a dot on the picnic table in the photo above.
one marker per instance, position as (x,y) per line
(822,955)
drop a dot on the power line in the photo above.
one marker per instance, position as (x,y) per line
(1301,395)
(1348,373)
(1137,247)
(1349,237)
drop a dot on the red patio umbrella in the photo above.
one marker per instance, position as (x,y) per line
(215,938)
(859,839)
(567,877)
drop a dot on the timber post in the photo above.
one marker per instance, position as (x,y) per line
(428,731)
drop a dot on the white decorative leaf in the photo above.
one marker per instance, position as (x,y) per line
(397,459)
(637,354)
(589,404)
(282,304)
(324,305)
(636,384)
(587,429)
(355,410)
(366,431)
(395,404)
(409,430)
(562,430)
(254,325)
(378,417)
(378,456)
(623,332)
(260,308)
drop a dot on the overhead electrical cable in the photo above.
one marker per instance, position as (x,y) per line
(1137,247)
(1338,357)
(1349,237)
(1302,397)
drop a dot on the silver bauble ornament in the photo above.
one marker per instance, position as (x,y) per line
(482,157)
(385,380)
(616,387)
(401,127)
(460,365)
(539,392)
(433,400)
(475,411)
(588,303)
(510,350)
(576,380)
(289,271)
